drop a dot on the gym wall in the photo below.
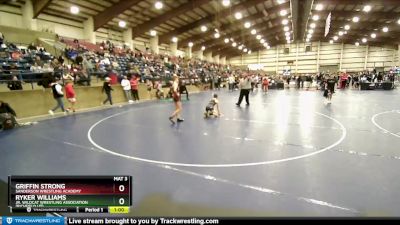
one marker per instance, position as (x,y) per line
(343,56)
(29,103)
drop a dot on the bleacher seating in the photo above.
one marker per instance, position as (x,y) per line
(106,60)
(80,44)
(18,62)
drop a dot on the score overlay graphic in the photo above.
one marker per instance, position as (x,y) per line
(91,194)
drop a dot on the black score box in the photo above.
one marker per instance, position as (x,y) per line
(69,191)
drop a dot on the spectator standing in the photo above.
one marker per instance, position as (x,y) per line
(218,82)
(159,90)
(349,80)
(87,67)
(126,86)
(58,96)
(236,84)
(298,81)
(149,85)
(70,93)
(107,89)
(231,82)
(183,89)
(134,88)
(265,84)
(253,83)
(343,81)
(211,82)
(288,80)
(113,77)
(302,79)
(319,80)
(354,81)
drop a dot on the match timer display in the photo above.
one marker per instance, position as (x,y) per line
(89,194)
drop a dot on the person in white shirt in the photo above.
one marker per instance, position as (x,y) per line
(159,90)
(105,61)
(255,82)
(47,68)
(231,82)
(36,68)
(126,86)
(245,87)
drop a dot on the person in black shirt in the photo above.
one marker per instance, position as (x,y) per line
(58,95)
(61,60)
(355,81)
(218,83)
(331,84)
(369,78)
(183,89)
(211,81)
(6,108)
(78,59)
(32,47)
(7,116)
(15,84)
(107,88)
(380,77)
(329,89)
(298,80)
(392,78)
(46,80)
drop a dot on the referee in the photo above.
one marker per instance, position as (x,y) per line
(245,86)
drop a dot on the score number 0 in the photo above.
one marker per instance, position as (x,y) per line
(121,188)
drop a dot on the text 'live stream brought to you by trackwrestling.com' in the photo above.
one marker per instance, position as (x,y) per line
(22,220)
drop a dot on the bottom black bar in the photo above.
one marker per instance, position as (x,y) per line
(61,210)
(215,221)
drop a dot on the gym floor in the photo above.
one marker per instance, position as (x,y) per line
(287,154)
